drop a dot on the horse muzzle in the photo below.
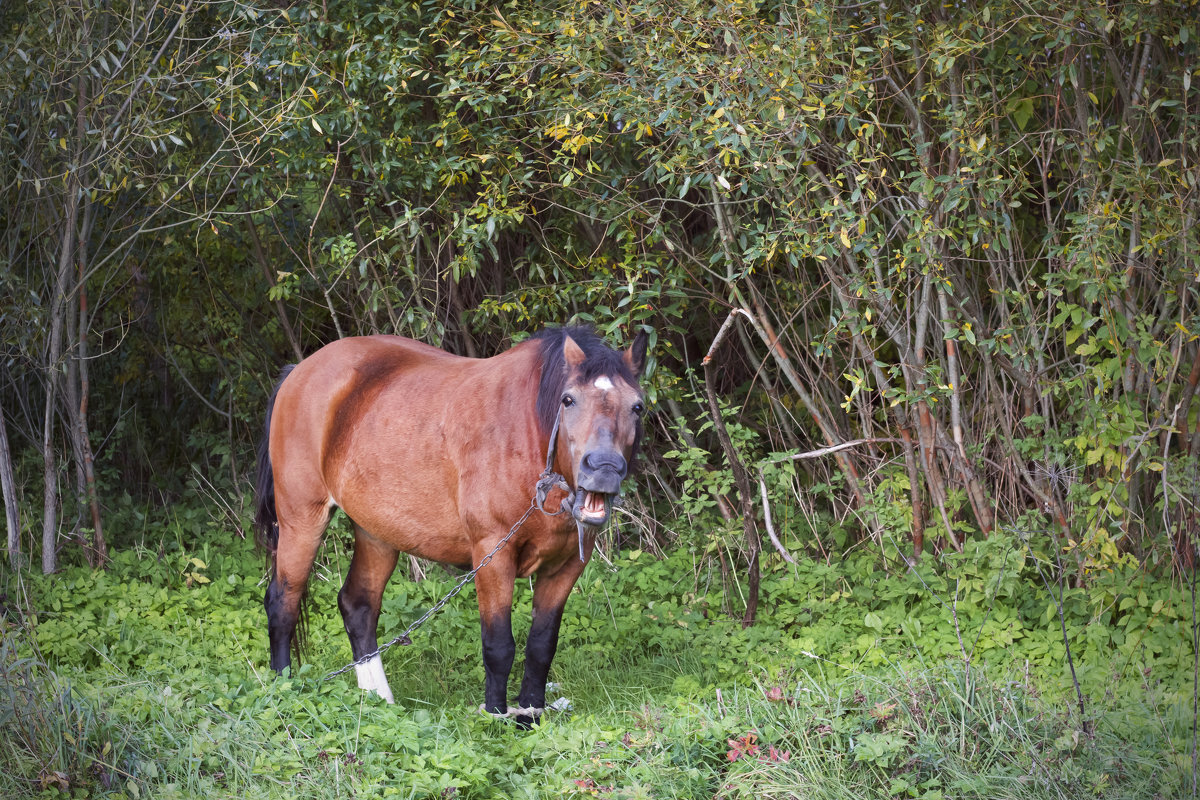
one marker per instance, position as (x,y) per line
(600,477)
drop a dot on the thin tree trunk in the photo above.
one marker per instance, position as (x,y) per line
(98,544)
(926,434)
(53,368)
(8,486)
(975,491)
(69,411)
(280,309)
(740,476)
(54,349)
(762,326)
(914,490)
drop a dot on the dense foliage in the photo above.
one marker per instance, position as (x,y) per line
(963,232)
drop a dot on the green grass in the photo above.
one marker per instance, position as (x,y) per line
(150,680)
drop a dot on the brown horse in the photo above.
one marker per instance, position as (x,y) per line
(437,455)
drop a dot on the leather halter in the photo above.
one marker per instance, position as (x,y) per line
(549,479)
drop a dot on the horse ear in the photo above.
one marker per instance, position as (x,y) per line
(573,354)
(635,356)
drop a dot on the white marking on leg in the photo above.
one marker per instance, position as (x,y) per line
(603,383)
(372,679)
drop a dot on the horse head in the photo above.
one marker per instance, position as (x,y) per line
(600,405)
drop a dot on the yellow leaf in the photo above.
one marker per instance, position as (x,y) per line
(845,238)
(781,114)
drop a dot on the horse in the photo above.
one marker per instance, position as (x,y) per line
(436,455)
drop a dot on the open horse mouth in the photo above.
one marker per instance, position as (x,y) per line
(591,508)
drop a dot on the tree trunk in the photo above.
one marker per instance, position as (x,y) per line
(740,476)
(53,368)
(54,349)
(98,545)
(280,309)
(8,486)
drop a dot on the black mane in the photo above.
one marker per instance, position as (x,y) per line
(600,359)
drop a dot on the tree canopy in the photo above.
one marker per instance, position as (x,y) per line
(962,235)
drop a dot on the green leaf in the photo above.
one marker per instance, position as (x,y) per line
(1022,111)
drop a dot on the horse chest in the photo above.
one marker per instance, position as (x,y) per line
(546,553)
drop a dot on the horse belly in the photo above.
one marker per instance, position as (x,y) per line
(407,510)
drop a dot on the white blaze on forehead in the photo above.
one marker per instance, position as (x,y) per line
(603,383)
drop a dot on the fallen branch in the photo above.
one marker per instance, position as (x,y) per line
(824,451)
(762,485)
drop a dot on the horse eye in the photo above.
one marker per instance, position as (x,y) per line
(568,401)
(638,409)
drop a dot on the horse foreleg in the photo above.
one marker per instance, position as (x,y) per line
(549,598)
(494,588)
(359,601)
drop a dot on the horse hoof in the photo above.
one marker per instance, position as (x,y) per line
(523,717)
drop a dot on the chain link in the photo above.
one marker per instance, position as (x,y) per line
(403,638)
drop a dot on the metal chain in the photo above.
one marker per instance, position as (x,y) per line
(438,605)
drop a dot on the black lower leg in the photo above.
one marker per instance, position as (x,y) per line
(361,618)
(499,649)
(539,652)
(281,624)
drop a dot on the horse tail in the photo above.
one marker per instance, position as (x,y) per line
(265,517)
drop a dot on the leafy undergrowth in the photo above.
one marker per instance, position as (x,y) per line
(946,681)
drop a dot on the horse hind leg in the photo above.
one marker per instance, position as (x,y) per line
(294,554)
(359,601)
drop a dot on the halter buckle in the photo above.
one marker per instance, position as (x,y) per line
(552,480)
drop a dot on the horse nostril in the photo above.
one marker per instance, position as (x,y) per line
(596,461)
